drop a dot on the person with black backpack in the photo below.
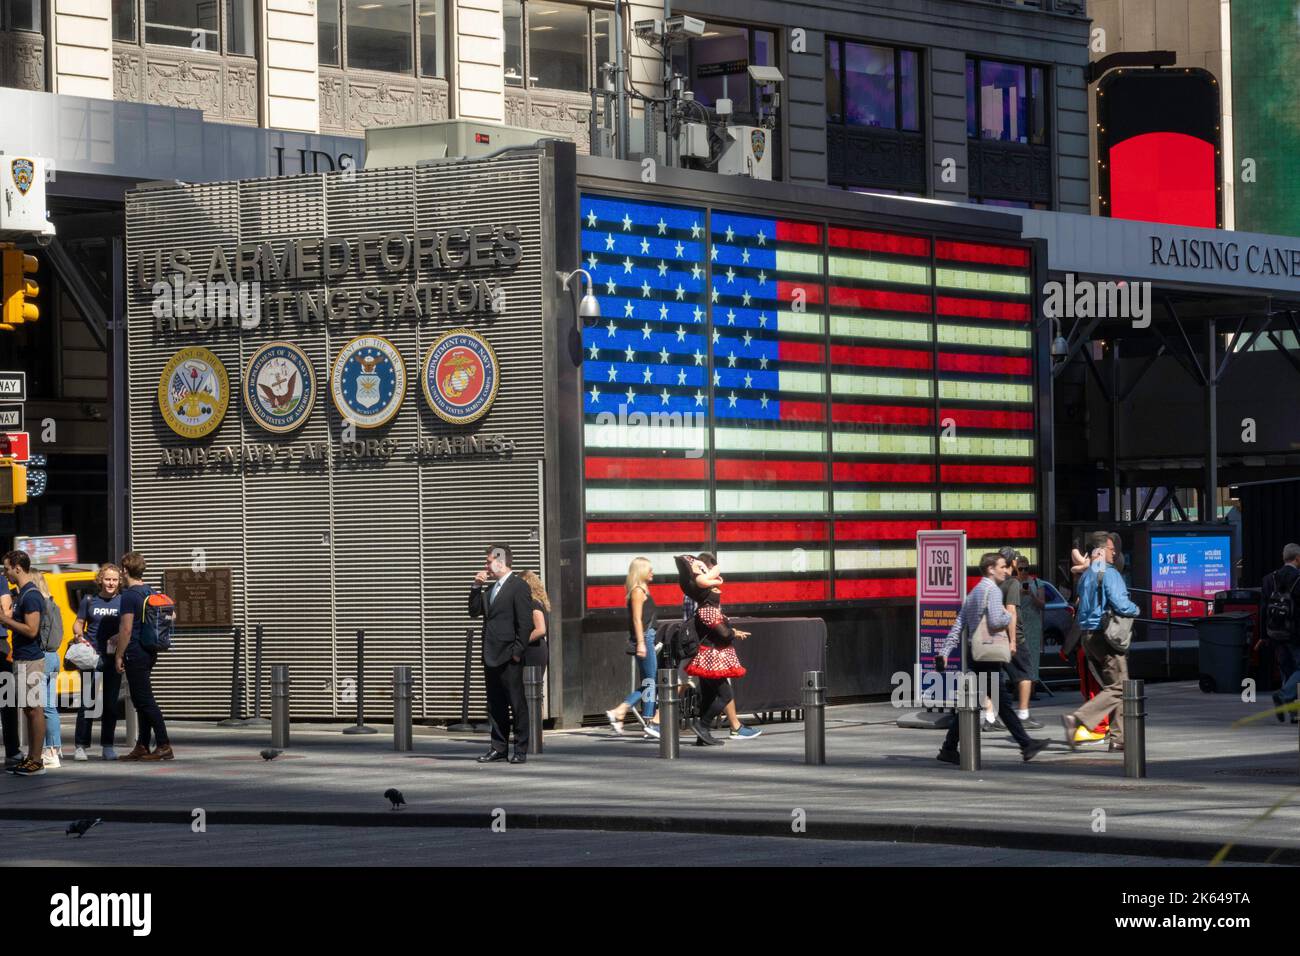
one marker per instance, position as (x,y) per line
(138,644)
(1281,595)
(29,659)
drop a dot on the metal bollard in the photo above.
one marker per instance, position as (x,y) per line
(669,705)
(1135,729)
(236,718)
(464,725)
(280,706)
(814,717)
(257,720)
(533,677)
(969,704)
(360,726)
(402,681)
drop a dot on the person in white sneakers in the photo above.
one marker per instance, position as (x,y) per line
(641,615)
(96,625)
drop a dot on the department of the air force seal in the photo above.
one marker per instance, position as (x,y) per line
(24,173)
(460,377)
(279,387)
(193,393)
(369,381)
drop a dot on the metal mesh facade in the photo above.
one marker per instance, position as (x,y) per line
(322,548)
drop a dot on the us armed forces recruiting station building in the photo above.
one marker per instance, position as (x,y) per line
(795,378)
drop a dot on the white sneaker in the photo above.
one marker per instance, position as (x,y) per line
(80,755)
(652,731)
(614,722)
(51,758)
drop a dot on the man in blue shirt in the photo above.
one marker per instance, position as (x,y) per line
(29,659)
(1102,589)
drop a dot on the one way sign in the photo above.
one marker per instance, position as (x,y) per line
(11,418)
(13,386)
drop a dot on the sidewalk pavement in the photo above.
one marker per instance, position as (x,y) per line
(1208,784)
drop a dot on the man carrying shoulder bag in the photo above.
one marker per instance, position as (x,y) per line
(983,624)
(1104,620)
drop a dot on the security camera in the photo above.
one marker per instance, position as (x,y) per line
(43,240)
(683,26)
(647,29)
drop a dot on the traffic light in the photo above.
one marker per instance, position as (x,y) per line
(13,485)
(17,299)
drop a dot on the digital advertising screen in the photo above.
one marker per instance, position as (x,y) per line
(1159,142)
(1194,566)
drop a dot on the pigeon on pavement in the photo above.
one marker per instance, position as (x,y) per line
(269,754)
(394,796)
(79,827)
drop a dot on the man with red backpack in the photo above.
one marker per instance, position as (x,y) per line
(1281,594)
(144,630)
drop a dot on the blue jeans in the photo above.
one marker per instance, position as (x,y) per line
(53,732)
(645,668)
(1291,689)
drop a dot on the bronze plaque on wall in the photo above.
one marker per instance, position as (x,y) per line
(202,597)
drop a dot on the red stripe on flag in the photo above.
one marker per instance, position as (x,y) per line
(800,352)
(879,530)
(879,471)
(848,589)
(981,309)
(739,469)
(772,531)
(882,414)
(601,596)
(879,358)
(802,411)
(646,532)
(985,418)
(995,530)
(812,291)
(989,364)
(774,592)
(866,241)
(663,469)
(975,252)
(879,299)
(804,232)
(987,474)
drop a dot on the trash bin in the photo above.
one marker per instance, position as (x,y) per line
(1222,648)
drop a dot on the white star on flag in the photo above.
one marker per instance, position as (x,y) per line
(744,299)
(627,222)
(609,241)
(680,293)
(628,264)
(744,257)
(663,311)
(715,293)
(748,338)
(699,397)
(645,246)
(592,261)
(629,353)
(731,234)
(646,376)
(663,268)
(762,361)
(731,359)
(612,327)
(627,309)
(645,332)
(696,271)
(749,380)
(664,396)
(591,217)
(699,315)
(681,334)
(762,277)
(717,379)
(731,316)
(595,394)
(699,357)
(663,226)
(715,336)
(731,400)
(764,400)
(695,230)
(645,289)
(595,352)
(679,249)
(631,395)
(762,239)
(713,253)
(610,286)
(731,275)
(762,319)
(681,376)
(613,373)
(663,356)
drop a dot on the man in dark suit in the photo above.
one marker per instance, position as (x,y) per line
(503,601)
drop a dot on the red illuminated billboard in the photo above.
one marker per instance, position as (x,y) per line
(1159,143)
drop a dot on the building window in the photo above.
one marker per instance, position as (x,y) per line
(433,38)
(23,15)
(327,32)
(553,46)
(873,118)
(1008,136)
(124,20)
(185,23)
(876,86)
(241,38)
(716,66)
(1005,102)
(379,35)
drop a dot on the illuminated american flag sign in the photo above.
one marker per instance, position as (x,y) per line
(777,390)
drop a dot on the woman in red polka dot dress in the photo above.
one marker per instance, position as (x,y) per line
(717,662)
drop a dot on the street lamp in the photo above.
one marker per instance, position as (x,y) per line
(589,307)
